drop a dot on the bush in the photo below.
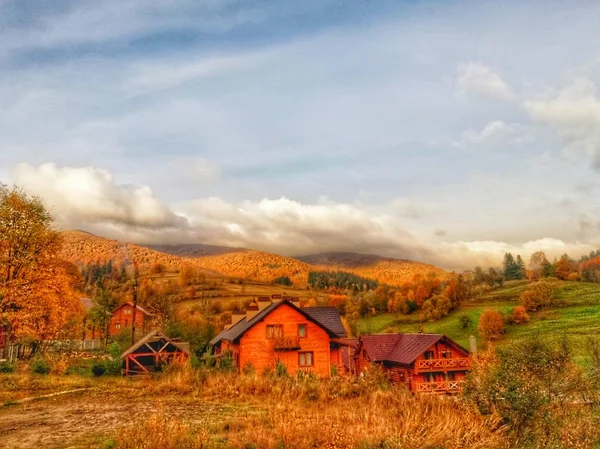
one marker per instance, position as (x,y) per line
(6,367)
(491,324)
(519,315)
(539,294)
(538,391)
(39,365)
(465,321)
(98,369)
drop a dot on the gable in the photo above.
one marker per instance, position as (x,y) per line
(235,332)
(289,318)
(403,349)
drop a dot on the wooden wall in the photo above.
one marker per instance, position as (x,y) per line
(124,316)
(256,349)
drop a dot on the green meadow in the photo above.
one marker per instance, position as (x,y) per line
(575,313)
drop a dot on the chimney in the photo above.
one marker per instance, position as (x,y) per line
(263,302)
(473,344)
(251,311)
(236,318)
(296,301)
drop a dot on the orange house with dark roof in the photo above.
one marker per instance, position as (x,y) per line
(423,362)
(122,318)
(279,330)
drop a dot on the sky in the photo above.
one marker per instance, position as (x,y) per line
(448,132)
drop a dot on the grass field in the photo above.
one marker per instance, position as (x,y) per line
(575,313)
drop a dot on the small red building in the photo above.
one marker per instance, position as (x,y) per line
(278,330)
(424,362)
(122,318)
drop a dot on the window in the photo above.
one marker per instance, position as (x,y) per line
(305,359)
(118,325)
(302,330)
(428,355)
(446,354)
(274,330)
(127,311)
(450,376)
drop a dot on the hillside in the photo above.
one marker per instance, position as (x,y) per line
(385,270)
(256,265)
(574,313)
(83,247)
(193,249)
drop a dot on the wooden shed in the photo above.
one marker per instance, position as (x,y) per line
(152,352)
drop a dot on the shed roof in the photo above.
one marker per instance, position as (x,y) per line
(327,318)
(155,336)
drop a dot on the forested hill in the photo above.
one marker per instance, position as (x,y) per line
(383,269)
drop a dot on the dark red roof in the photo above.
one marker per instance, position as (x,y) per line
(398,348)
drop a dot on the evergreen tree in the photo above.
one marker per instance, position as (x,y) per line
(521,266)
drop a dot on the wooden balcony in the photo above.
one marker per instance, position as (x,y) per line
(450,386)
(286,343)
(458,364)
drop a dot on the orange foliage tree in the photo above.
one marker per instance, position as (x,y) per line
(519,315)
(491,324)
(37,297)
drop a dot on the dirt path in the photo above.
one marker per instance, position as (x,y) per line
(80,420)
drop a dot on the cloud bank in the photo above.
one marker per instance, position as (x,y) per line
(89,198)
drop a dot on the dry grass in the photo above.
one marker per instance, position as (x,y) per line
(283,412)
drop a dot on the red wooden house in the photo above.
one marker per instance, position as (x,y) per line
(272,330)
(424,362)
(122,318)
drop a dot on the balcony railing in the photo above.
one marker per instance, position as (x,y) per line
(286,343)
(449,386)
(443,364)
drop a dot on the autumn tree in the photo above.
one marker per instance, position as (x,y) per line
(491,324)
(538,264)
(436,307)
(36,288)
(539,294)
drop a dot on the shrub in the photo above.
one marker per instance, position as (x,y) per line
(98,369)
(39,365)
(491,324)
(6,367)
(465,321)
(519,315)
(539,294)
(537,390)
(573,276)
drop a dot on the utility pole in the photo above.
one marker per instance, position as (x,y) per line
(135,282)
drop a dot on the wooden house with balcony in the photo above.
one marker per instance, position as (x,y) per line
(276,330)
(428,363)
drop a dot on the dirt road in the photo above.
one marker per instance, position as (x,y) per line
(84,419)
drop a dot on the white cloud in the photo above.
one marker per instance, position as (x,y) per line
(477,78)
(495,133)
(79,195)
(574,113)
(89,198)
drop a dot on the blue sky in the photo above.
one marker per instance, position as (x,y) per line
(448,132)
